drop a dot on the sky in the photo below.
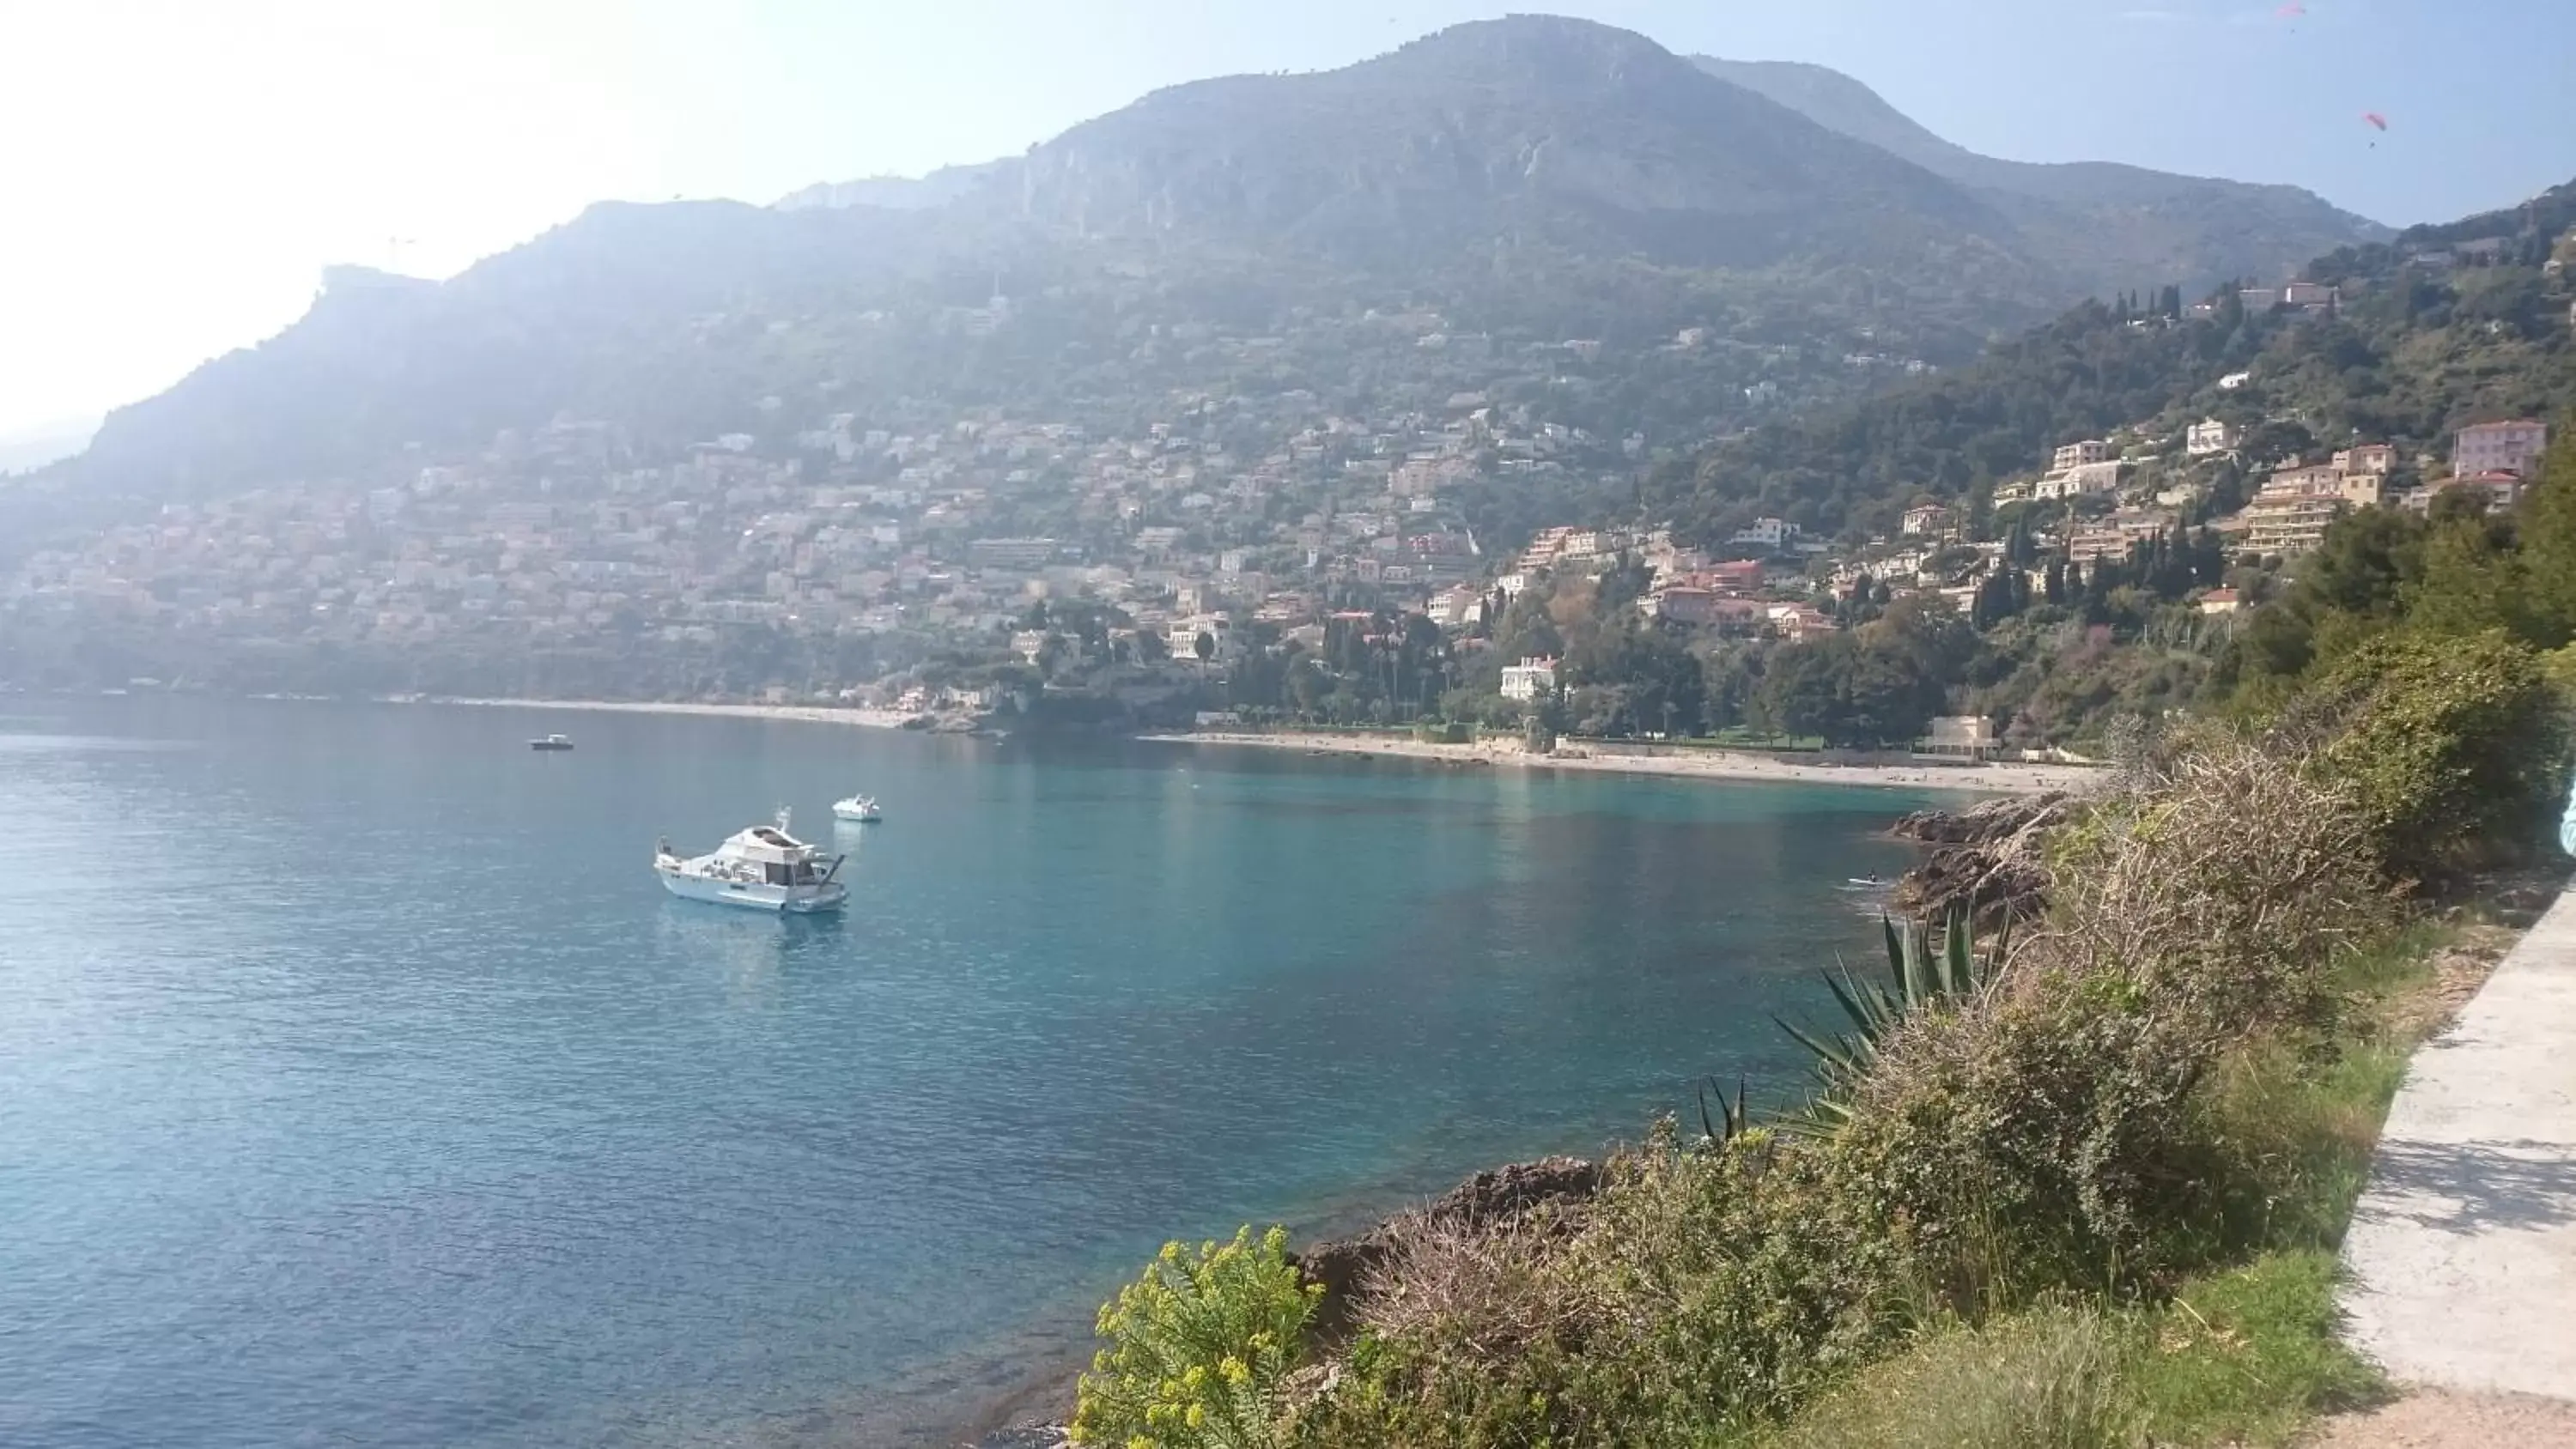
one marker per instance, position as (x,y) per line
(177,173)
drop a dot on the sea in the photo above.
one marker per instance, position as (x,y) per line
(359,1085)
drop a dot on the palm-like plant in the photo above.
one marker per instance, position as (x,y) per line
(1923,971)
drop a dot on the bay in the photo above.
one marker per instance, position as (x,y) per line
(359,1085)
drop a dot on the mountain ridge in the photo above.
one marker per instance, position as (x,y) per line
(1535,177)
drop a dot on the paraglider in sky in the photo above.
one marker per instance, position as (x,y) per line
(2291,11)
(2377,122)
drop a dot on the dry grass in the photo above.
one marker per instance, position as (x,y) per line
(2222,883)
(2048,1379)
(1481,1290)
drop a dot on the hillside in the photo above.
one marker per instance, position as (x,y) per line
(1522,182)
(2413,352)
(2106,222)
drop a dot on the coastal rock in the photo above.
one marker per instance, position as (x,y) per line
(1986,861)
(1343,1265)
(1984,823)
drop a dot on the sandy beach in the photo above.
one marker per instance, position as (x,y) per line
(1696,764)
(1693,764)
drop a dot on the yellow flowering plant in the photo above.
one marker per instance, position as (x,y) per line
(1196,1347)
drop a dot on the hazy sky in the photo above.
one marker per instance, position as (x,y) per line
(177,171)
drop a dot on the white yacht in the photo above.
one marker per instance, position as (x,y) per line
(858,809)
(763,867)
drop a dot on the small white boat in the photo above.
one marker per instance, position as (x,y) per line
(551,742)
(858,810)
(764,868)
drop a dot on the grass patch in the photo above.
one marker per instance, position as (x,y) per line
(2236,1358)
(2246,1357)
(2048,1379)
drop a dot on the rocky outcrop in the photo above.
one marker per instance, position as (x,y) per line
(1985,859)
(1984,823)
(1488,1199)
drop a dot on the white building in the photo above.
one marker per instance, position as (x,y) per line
(1770,533)
(2208,436)
(1182,639)
(1529,679)
(1965,737)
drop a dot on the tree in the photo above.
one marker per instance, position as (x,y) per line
(1204,646)
(2548,537)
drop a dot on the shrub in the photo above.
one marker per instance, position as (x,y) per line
(1704,1290)
(2043,1140)
(2220,887)
(1481,1291)
(2453,746)
(1198,1347)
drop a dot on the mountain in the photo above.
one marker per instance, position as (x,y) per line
(896,193)
(1526,181)
(1530,131)
(2108,223)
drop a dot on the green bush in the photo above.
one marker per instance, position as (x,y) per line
(1197,1348)
(2455,746)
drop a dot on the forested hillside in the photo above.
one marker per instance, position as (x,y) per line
(2413,349)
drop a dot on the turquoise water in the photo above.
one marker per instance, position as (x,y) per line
(359,1085)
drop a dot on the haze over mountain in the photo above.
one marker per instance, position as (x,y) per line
(2089,215)
(1530,178)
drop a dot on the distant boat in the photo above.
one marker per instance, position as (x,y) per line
(551,742)
(763,868)
(858,810)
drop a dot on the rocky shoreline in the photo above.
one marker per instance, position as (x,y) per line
(1984,859)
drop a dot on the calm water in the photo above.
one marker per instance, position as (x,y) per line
(359,1086)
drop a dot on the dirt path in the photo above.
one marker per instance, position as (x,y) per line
(2434,1419)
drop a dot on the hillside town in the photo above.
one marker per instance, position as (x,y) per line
(557,536)
(937,567)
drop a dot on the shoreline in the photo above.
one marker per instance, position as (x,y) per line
(1693,764)
(861,716)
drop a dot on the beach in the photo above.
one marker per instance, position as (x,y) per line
(1689,763)
(1685,763)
